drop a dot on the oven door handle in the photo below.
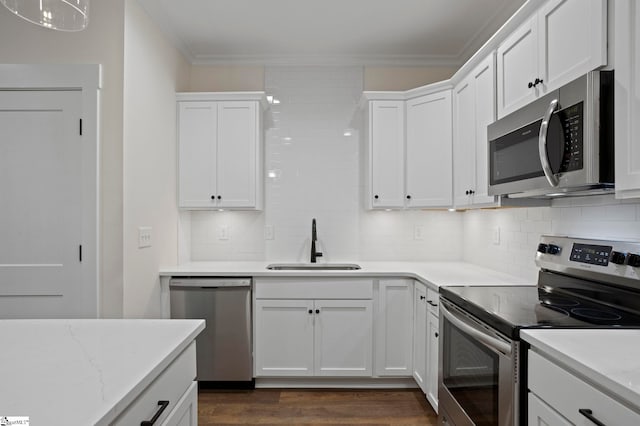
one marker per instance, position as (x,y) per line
(542,144)
(488,340)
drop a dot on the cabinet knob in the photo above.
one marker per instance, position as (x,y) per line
(471,191)
(317,311)
(310,311)
(375,197)
(213,197)
(436,334)
(408,197)
(219,197)
(422,297)
(530,85)
(537,81)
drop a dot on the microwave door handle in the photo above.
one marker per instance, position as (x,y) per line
(486,339)
(542,144)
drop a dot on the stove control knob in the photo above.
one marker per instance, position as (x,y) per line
(633,260)
(618,258)
(553,249)
(542,248)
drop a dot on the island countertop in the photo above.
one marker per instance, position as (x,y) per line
(84,372)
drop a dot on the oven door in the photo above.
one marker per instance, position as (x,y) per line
(477,377)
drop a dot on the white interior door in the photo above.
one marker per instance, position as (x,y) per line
(41,218)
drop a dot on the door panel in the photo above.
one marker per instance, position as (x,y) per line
(41,217)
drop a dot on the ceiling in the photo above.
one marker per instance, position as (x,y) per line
(382,32)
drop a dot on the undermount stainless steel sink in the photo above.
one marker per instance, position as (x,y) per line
(313,267)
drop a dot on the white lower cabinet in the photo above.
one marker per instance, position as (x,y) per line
(432,348)
(186,411)
(176,386)
(420,336)
(393,327)
(328,335)
(559,397)
(425,342)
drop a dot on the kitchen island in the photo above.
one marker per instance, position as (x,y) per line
(96,372)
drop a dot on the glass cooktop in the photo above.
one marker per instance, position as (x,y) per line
(510,308)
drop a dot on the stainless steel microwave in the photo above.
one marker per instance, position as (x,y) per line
(560,144)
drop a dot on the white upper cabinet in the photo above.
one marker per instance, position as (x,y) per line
(562,41)
(386,154)
(408,150)
(473,110)
(429,165)
(219,153)
(627,98)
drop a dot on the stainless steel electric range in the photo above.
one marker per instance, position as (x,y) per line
(581,284)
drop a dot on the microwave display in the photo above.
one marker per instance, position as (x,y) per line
(515,156)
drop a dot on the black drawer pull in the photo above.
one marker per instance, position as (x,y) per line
(435,305)
(589,414)
(163,406)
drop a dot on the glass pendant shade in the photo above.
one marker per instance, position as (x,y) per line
(62,15)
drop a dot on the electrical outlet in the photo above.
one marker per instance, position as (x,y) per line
(495,235)
(144,236)
(418,232)
(269,232)
(223,232)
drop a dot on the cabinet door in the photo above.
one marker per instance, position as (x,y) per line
(573,40)
(197,154)
(284,338)
(186,411)
(464,155)
(428,159)
(539,413)
(237,165)
(420,336)
(517,67)
(627,98)
(432,358)
(484,85)
(343,338)
(394,328)
(386,134)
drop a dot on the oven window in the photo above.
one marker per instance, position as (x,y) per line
(470,373)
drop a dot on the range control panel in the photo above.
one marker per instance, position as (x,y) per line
(590,253)
(613,261)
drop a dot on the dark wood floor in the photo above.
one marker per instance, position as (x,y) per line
(314,407)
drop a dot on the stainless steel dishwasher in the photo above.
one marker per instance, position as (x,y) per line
(224,348)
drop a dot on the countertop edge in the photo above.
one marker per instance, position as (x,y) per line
(112,414)
(584,372)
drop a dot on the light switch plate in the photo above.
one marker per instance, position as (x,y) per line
(144,236)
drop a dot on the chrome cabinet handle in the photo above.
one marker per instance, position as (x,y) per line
(163,406)
(542,144)
(489,341)
(589,414)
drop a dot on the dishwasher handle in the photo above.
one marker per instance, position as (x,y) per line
(183,283)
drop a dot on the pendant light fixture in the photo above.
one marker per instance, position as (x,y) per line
(62,15)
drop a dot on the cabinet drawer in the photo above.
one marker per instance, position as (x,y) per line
(313,288)
(170,386)
(567,394)
(186,411)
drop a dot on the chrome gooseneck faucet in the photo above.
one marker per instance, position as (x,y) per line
(314,237)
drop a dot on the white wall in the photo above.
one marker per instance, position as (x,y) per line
(101,43)
(313,170)
(520,229)
(153,72)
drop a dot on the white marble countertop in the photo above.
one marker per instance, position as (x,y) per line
(83,372)
(435,273)
(608,358)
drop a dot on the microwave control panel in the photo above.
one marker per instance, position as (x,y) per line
(571,122)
